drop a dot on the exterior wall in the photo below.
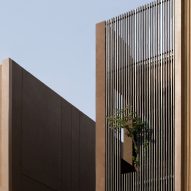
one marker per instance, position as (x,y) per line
(100,107)
(183,94)
(53,143)
(179,98)
(4,125)
(182,27)
(186,94)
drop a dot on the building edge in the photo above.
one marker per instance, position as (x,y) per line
(186,95)
(100,106)
(5,124)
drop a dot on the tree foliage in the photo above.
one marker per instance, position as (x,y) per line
(135,127)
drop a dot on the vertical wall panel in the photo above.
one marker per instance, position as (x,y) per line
(5,125)
(92,155)
(185,52)
(16,125)
(85,159)
(75,149)
(66,146)
(100,107)
(41,138)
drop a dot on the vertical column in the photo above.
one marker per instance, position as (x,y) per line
(67,147)
(189,89)
(184,166)
(186,95)
(178,98)
(100,106)
(16,132)
(75,149)
(5,118)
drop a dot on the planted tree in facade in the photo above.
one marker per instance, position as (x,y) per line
(136,129)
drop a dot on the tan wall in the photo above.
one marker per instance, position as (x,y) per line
(100,107)
(178,95)
(4,124)
(183,42)
(186,95)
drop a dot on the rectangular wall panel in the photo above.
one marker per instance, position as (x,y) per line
(186,91)
(92,156)
(100,107)
(41,132)
(5,118)
(84,153)
(66,146)
(75,149)
(16,125)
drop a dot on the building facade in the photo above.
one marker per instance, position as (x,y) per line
(143,61)
(46,143)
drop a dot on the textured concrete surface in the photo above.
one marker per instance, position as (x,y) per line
(184,40)
(178,93)
(51,143)
(100,107)
(4,124)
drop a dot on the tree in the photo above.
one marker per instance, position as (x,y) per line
(135,127)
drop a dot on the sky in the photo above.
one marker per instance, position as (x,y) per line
(55,41)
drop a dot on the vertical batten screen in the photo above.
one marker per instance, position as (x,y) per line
(140,74)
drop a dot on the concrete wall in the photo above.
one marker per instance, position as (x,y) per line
(183,95)
(5,104)
(53,143)
(100,106)
(178,93)
(185,45)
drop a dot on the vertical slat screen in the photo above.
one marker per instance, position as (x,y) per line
(140,74)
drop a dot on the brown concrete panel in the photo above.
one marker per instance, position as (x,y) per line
(75,149)
(186,93)
(5,123)
(100,107)
(84,154)
(66,146)
(32,185)
(92,154)
(41,132)
(40,137)
(16,126)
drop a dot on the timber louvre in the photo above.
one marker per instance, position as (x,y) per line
(140,73)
